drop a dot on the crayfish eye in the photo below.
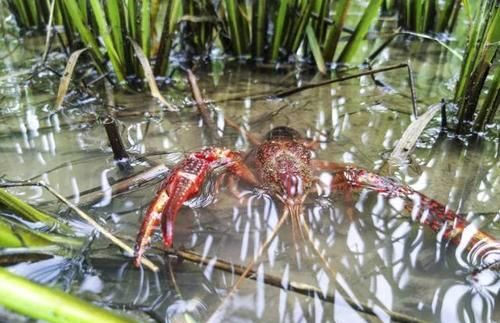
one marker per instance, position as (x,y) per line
(283,133)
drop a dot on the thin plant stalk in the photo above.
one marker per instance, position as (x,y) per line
(334,31)
(259,32)
(146,27)
(88,39)
(237,28)
(481,51)
(162,57)
(316,50)
(29,213)
(113,12)
(360,32)
(107,39)
(39,302)
(302,23)
(490,105)
(278,29)
(16,235)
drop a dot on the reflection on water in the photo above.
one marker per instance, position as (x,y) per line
(364,253)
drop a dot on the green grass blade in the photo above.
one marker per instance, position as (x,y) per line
(305,14)
(20,295)
(318,9)
(84,9)
(76,20)
(316,50)
(233,17)
(360,32)
(419,16)
(146,27)
(28,212)
(21,13)
(259,28)
(15,235)
(490,104)
(100,18)
(389,5)
(132,20)
(407,16)
(445,14)
(480,55)
(334,31)
(32,13)
(471,52)
(113,11)
(278,29)
(174,12)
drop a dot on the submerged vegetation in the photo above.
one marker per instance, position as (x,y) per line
(481,61)
(427,16)
(265,31)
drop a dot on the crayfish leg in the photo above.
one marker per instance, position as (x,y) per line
(432,213)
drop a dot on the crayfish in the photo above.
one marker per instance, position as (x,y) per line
(283,165)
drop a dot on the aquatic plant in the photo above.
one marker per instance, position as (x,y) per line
(30,14)
(477,96)
(424,16)
(117,23)
(277,29)
(19,234)
(271,31)
(49,304)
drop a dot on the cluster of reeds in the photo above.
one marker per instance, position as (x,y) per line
(262,30)
(426,16)
(30,14)
(118,23)
(480,71)
(274,30)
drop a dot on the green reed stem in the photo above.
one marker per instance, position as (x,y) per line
(146,27)
(237,28)
(279,27)
(334,31)
(28,212)
(108,41)
(360,32)
(43,303)
(113,11)
(315,49)
(301,24)
(259,28)
(490,104)
(15,235)
(174,12)
(76,20)
(481,50)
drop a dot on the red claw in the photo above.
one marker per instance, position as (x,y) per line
(182,184)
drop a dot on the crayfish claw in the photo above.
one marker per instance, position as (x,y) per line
(151,221)
(183,183)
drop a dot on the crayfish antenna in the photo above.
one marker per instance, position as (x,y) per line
(296,212)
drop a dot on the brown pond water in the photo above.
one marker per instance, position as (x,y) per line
(380,257)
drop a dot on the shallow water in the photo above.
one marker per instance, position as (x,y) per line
(376,256)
